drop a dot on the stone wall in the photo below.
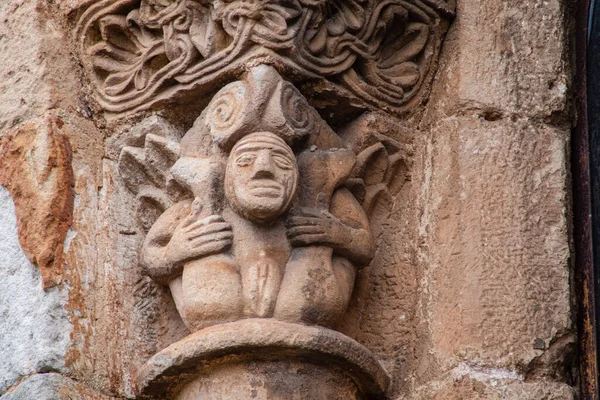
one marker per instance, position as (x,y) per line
(469,294)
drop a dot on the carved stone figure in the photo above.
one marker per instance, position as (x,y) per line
(270,231)
(255,224)
(258,218)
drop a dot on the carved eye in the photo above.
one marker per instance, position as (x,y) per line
(283,162)
(245,160)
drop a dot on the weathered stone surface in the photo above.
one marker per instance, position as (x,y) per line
(498,278)
(472,263)
(465,382)
(505,57)
(467,294)
(384,313)
(34,324)
(120,317)
(52,386)
(23,90)
(36,74)
(35,166)
(284,379)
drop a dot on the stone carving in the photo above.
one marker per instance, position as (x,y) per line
(258,219)
(267,228)
(382,163)
(253,225)
(377,54)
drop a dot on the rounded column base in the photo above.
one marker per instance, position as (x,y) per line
(264,359)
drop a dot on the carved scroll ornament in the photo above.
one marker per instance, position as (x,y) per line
(376,53)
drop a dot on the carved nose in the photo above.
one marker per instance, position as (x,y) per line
(263,166)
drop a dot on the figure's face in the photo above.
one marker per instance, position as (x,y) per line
(261,175)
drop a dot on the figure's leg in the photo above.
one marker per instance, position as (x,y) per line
(212,291)
(345,273)
(316,288)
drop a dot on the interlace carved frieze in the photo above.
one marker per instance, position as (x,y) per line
(376,53)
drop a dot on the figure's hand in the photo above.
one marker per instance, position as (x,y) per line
(195,238)
(307,227)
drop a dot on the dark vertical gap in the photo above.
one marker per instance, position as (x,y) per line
(586,192)
(593,119)
(593,103)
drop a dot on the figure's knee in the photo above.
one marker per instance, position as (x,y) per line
(316,293)
(211,290)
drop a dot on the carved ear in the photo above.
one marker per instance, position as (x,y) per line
(372,164)
(395,176)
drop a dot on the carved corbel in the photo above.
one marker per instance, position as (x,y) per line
(258,219)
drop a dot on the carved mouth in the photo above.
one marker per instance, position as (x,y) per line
(266,192)
(265,189)
(262,192)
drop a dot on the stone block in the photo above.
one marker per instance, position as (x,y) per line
(34,324)
(466,383)
(35,58)
(504,57)
(497,286)
(52,386)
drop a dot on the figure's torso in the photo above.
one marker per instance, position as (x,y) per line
(261,251)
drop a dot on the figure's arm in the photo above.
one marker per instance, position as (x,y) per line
(360,248)
(154,258)
(345,228)
(181,235)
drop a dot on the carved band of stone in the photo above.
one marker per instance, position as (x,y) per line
(141,52)
(296,110)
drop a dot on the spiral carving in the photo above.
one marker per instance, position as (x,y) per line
(225,113)
(296,110)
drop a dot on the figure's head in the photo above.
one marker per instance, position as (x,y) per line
(261,177)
